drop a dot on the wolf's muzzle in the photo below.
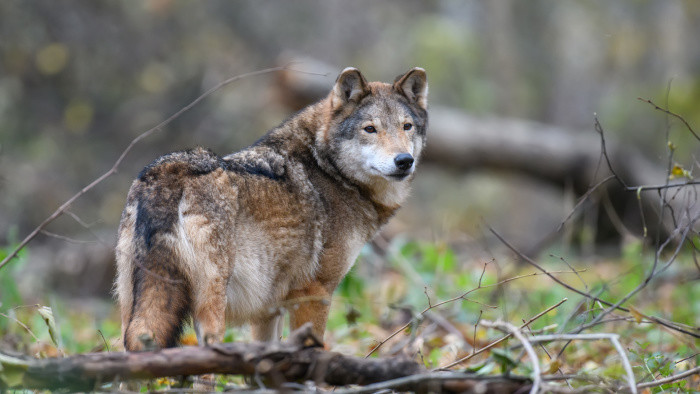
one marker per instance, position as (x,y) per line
(403,161)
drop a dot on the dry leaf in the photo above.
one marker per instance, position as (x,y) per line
(638,316)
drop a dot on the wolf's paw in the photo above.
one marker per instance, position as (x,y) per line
(148,342)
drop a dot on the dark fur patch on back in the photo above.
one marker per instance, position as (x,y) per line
(198,161)
(253,169)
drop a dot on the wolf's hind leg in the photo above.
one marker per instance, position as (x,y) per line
(160,304)
(209,312)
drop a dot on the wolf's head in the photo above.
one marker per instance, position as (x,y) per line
(376,131)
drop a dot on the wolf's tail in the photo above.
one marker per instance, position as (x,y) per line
(161,301)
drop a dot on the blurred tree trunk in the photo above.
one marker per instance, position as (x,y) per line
(503,62)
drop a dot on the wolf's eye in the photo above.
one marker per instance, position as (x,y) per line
(407,126)
(370,129)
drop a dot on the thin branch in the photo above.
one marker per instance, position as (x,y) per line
(530,261)
(583,199)
(642,285)
(58,212)
(583,282)
(675,115)
(661,187)
(492,344)
(670,379)
(22,325)
(686,358)
(67,239)
(461,297)
(478,320)
(600,131)
(414,380)
(614,338)
(515,331)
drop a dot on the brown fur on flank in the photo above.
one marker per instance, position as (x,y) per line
(227,240)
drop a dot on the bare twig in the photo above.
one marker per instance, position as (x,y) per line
(644,283)
(492,344)
(58,212)
(104,340)
(22,325)
(675,115)
(614,338)
(530,261)
(599,129)
(67,239)
(583,199)
(515,331)
(544,348)
(415,380)
(670,379)
(460,297)
(661,187)
(478,320)
(686,358)
(563,260)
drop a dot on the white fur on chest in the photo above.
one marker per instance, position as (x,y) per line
(354,244)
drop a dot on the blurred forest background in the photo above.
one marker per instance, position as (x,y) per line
(80,79)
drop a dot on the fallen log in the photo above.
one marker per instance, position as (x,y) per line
(300,358)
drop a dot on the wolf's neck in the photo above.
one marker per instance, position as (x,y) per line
(303,137)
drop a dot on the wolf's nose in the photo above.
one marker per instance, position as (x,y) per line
(404,161)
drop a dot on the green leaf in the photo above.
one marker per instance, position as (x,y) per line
(47,314)
(504,358)
(643,345)
(483,368)
(12,370)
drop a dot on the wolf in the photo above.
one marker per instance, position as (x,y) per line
(227,240)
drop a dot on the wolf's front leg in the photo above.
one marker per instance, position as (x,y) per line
(267,329)
(310,304)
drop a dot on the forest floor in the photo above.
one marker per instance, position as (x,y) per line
(422,301)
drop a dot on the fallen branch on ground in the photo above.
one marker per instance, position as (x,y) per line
(300,358)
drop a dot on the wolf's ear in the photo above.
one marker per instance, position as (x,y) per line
(350,86)
(414,85)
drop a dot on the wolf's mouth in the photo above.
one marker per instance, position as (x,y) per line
(399,176)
